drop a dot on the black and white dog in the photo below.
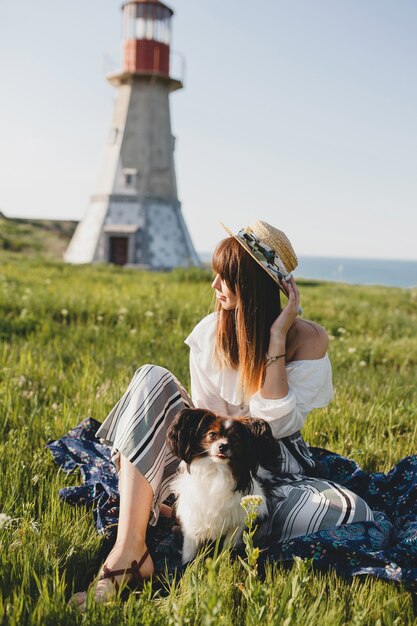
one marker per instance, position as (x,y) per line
(220,458)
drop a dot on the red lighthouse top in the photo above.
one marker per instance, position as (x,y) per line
(146,37)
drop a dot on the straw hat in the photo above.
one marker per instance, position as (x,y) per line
(270,248)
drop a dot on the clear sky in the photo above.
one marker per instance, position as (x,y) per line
(298,112)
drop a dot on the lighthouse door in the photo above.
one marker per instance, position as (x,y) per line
(118,250)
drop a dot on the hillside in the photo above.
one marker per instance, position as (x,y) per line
(47,238)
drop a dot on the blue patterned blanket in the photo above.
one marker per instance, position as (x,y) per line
(385,548)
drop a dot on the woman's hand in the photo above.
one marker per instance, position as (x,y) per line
(285,320)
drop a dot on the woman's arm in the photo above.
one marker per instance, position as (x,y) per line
(275,384)
(310,387)
(308,341)
(286,408)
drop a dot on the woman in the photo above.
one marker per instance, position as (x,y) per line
(250,357)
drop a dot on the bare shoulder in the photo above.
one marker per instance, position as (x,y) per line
(309,341)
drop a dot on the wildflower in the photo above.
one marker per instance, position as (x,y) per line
(248,501)
(123,310)
(149,313)
(362,364)
(251,590)
(27,394)
(64,312)
(251,504)
(341,330)
(351,350)
(4,519)
(133,331)
(99,318)
(23,313)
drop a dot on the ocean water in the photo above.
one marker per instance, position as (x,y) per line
(355,271)
(390,273)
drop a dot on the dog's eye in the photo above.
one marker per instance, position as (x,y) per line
(212,435)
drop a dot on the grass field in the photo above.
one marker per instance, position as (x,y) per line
(71,339)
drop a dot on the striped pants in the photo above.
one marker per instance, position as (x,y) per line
(136,427)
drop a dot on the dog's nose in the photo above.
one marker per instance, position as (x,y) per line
(223,447)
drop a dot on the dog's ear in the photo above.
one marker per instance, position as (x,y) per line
(266,449)
(184,434)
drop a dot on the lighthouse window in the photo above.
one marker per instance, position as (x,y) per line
(147,21)
(149,29)
(140,28)
(156,29)
(129,177)
(166,31)
(161,30)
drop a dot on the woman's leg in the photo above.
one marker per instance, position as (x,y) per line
(136,497)
(136,428)
(308,505)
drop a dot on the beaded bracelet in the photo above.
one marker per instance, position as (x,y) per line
(271,359)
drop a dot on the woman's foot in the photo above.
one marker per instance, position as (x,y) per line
(117,570)
(165,510)
(169,511)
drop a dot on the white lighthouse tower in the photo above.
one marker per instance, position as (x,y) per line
(135,217)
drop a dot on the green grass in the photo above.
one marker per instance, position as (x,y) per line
(71,337)
(33,237)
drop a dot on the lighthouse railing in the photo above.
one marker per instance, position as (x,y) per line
(110,64)
(177,66)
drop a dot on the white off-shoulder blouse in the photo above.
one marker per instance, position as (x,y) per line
(309,382)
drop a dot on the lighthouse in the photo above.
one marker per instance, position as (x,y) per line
(134,217)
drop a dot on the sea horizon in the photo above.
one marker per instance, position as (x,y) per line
(357,271)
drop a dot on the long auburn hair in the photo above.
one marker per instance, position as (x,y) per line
(242,334)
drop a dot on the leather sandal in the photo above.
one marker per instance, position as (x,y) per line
(135,584)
